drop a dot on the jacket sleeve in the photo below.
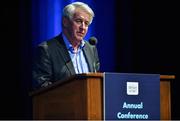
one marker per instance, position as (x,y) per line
(42,66)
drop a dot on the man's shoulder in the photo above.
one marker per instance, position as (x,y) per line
(51,42)
(88,45)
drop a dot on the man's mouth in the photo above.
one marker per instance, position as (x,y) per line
(81,34)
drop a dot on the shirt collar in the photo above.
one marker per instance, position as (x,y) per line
(69,45)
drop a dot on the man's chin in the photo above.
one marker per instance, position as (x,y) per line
(80,38)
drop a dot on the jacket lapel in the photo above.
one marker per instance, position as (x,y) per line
(88,56)
(65,55)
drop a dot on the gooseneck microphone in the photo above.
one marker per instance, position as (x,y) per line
(93,40)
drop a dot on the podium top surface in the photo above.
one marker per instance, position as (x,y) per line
(57,83)
(84,75)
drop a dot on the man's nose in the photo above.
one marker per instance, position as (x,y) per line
(83,25)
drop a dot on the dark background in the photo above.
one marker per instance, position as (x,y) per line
(147,32)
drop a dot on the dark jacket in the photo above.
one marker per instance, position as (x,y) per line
(52,62)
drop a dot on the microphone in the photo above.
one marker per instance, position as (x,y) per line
(93,40)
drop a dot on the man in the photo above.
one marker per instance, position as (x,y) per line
(67,54)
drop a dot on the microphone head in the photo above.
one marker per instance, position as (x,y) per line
(93,40)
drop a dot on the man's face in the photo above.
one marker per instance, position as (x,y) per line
(78,26)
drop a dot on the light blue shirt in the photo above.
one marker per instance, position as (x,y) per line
(78,58)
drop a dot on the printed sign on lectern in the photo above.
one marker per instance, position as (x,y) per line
(131,96)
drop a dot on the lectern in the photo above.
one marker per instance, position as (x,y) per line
(80,97)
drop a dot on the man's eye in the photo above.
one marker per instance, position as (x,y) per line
(87,23)
(78,21)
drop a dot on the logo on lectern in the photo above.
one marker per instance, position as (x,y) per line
(132,88)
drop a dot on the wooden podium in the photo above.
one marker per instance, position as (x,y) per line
(80,97)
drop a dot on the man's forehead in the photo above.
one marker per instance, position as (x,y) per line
(81,14)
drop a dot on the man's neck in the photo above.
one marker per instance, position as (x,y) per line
(75,44)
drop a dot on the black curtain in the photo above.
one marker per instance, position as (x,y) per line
(147,33)
(15,60)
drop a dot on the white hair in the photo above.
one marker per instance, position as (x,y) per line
(69,10)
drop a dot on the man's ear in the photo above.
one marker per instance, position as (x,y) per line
(65,22)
